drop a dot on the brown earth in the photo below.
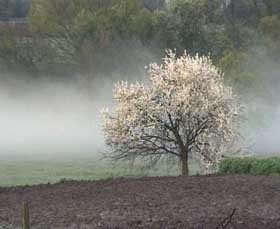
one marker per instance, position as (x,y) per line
(166,202)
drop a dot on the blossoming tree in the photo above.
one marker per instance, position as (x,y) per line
(187,110)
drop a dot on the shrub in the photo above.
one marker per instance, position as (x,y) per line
(251,166)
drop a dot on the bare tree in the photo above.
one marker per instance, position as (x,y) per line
(186,111)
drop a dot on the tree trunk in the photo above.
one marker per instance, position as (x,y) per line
(184,154)
(184,161)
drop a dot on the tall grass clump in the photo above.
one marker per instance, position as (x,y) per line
(251,166)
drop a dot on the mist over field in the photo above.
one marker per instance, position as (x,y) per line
(53,116)
(59,61)
(193,143)
(50,116)
(262,115)
(58,117)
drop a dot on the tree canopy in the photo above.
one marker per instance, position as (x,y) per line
(186,110)
(78,36)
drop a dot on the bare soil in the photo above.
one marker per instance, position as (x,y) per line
(165,202)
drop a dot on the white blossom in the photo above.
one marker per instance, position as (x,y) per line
(186,110)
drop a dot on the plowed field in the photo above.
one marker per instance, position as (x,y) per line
(159,202)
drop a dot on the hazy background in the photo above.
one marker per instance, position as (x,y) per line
(56,117)
(51,129)
(48,116)
(59,61)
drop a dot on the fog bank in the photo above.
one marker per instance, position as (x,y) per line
(51,116)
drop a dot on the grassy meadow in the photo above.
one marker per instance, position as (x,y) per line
(32,169)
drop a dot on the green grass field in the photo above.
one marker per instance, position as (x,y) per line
(29,169)
(36,169)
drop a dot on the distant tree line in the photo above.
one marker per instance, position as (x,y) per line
(69,36)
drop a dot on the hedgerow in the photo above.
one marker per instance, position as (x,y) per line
(251,166)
